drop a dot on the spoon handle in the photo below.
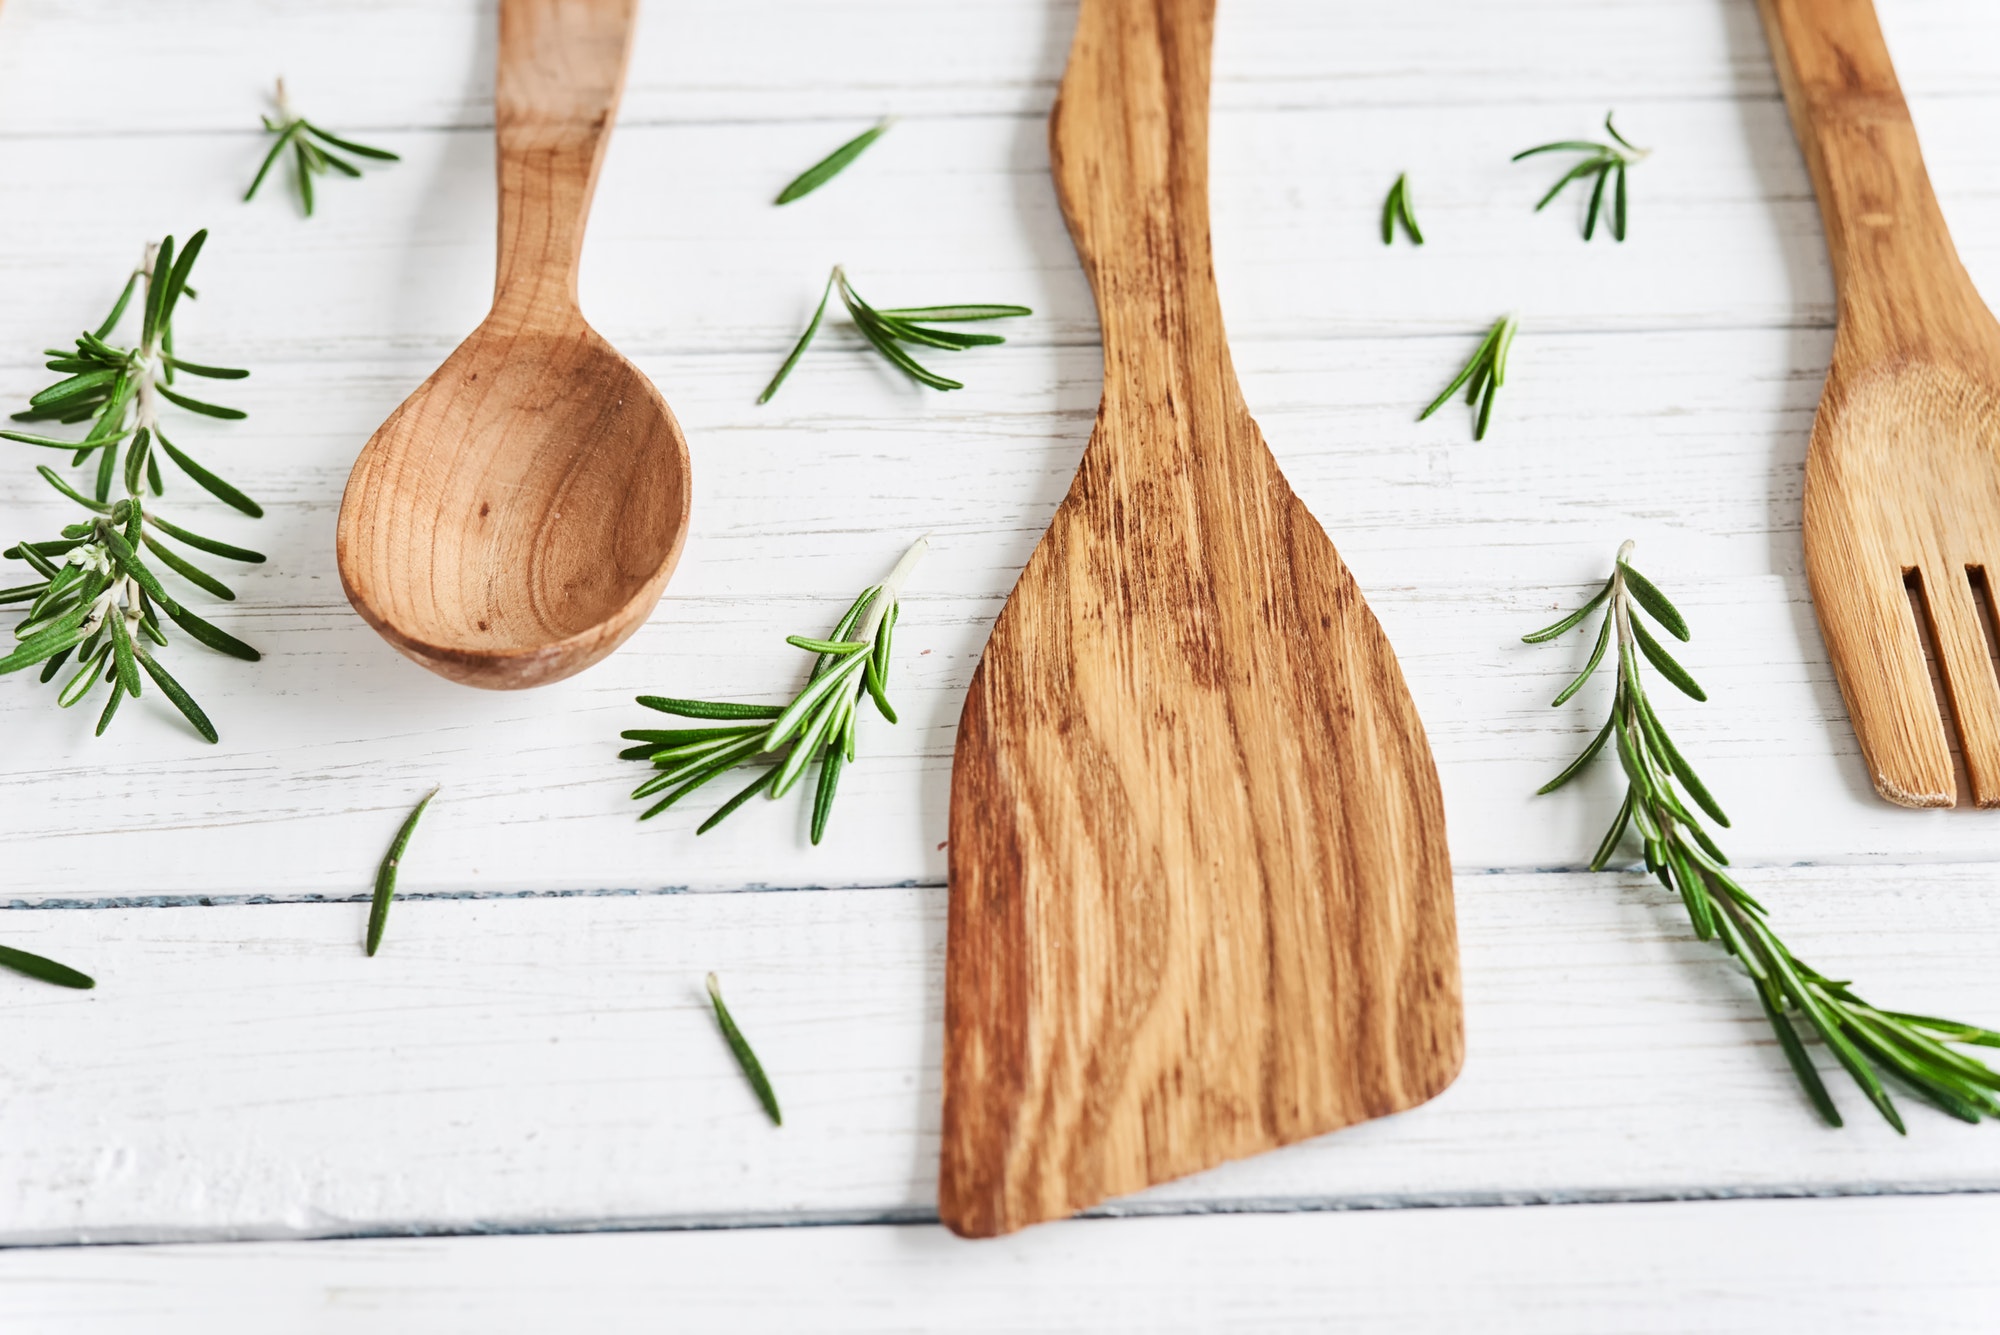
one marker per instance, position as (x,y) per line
(1902,290)
(562,68)
(1128,144)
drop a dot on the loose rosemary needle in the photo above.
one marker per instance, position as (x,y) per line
(1869,1043)
(38,966)
(310,158)
(819,724)
(1482,376)
(753,1070)
(95,596)
(833,164)
(385,875)
(1602,163)
(888,328)
(1397,208)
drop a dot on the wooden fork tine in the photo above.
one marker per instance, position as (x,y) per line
(1870,628)
(1956,626)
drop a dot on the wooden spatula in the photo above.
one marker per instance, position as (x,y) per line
(1903,473)
(1200,898)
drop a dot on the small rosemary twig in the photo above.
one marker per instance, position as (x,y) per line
(95,595)
(1484,373)
(1397,208)
(39,966)
(753,1070)
(830,166)
(819,724)
(1868,1042)
(888,328)
(1603,162)
(309,144)
(385,875)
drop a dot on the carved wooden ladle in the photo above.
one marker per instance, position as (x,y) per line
(517,518)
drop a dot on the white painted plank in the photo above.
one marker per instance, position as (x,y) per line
(687,255)
(1461,547)
(549,1062)
(1845,1267)
(420,63)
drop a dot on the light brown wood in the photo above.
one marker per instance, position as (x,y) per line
(1200,899)
(1903,473)
(517,518)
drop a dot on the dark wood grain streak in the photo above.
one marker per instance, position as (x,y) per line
(1200,898)
(1903,473)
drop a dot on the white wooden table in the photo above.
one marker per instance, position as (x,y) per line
(308,1140)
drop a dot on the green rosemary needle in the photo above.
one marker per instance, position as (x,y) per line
(1602,163)
(833,164)
(753,1070)
(1660,786)
(310,158)
(888,328)
(1397,208)
(385,875)
(1482,376)
(95,596)
(819,724)
(39,966)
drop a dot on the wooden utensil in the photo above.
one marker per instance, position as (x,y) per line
(1903,473)
(1200,899)
(516,519)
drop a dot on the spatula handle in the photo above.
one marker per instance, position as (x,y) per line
(1901,287)
(562,68)
(1129,147)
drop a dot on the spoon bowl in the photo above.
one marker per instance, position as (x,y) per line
(516,519)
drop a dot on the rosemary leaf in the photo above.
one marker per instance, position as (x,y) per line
(753,1070)
(385,875)
(886,330)
(830,166)
(37,966)
(308,158)
(1396,208)
(1485,372)
(817,726)
(1601,163)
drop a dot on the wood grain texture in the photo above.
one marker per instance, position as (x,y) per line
(1834,1267)
(516,519)
(1201,900)
(1903,476)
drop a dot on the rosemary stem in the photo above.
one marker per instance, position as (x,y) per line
(891,590)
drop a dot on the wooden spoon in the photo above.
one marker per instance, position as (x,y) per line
(1200,898)
(516,519)
(1903,473)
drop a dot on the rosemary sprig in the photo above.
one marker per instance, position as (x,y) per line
(94,595)
(753,1070)
(40,966)
(819,723)
(1660,785)
(1602,163)
(1397,208)
(1483,374)
(888,328)
(310,158)
(833,164)
(385,875)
